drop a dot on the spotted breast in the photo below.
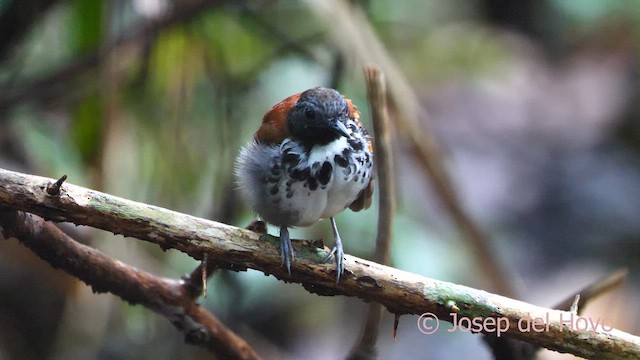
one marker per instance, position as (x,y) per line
(310,159)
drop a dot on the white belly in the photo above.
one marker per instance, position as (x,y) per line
(326,201)
(289,186)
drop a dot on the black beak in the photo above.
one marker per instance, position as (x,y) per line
(339,128)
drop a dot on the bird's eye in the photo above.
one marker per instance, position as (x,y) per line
(310,114)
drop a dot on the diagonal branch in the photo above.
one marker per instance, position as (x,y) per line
(595,289)
(104,274)
(237,249)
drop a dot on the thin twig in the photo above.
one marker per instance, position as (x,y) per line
(53,188)
(195,282)
(594,290)
(574,306)
(105,274)
(204,278)
(504,348)
(238,249)
(365,348)
(377,93)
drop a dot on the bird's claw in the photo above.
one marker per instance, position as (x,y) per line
(286,249)
(337,250)
(339,260)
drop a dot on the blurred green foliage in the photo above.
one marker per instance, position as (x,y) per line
(86,26)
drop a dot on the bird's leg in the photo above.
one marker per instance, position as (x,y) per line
(337,250)
(286,250)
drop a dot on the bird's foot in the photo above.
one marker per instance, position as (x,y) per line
(338,252)
(286,249)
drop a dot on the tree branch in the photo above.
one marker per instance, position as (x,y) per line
(595,289)
(169,298)
(365,348)
(237,249)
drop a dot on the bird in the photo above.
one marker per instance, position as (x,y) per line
(310,159)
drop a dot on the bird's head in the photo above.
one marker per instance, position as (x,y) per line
(317,116)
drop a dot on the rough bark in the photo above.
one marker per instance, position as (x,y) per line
(237,249)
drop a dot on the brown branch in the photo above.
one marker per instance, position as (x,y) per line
(166,297)
(376,89)
(238,249)
(377,93)
(594,290)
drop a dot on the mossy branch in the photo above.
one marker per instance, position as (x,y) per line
(237,249)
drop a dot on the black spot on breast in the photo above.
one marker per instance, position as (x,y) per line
(340,161)
(290,158)
(300,175)
(274,190)
(289,194)
(324,175)
(355,178)
(357,145)
(346,153)
(313,183)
